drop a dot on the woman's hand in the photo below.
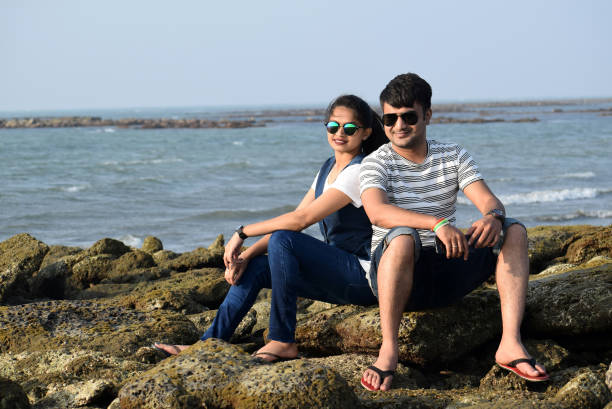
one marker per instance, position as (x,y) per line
(234,271)
(232,250)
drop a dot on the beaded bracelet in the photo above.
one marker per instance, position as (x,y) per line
(442,222)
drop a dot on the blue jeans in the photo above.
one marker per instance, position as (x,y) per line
(297,265)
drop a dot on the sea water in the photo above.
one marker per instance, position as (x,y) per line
(73,186)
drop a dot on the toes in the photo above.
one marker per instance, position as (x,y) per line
(541,369)
(372,378)
(386,385)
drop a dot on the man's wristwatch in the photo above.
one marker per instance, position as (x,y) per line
(241,233)
(498,214)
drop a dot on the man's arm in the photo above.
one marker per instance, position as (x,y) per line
(383,214)
(485,231)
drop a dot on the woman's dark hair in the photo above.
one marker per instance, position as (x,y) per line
(406,89)
(366,117)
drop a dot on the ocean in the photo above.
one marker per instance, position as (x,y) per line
(74,186)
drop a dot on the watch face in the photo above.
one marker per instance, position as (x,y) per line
(497,213)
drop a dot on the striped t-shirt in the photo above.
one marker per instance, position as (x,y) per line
(428,188)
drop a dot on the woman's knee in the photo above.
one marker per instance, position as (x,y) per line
(281,239)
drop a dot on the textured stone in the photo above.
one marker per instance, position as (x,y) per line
(609,377)
(425,337)
(585,391)
(108,246)
(20,257)
(230,378)
(89,325)
(573,303)
(12,396)
(196,259)
(132,260)
(152,245)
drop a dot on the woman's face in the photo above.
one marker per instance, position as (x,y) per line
(340,141)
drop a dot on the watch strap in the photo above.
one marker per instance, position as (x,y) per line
(241,234)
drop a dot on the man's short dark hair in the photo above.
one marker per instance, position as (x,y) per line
(406,89)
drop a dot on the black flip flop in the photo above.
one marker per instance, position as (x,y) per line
(511,366)
(277,358)
(381,373)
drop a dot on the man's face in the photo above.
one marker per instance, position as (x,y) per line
(402,134)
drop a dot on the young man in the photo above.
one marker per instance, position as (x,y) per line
(409,190)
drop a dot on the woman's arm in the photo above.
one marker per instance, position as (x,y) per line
(309,211)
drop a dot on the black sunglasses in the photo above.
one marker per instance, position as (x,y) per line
(409,117)
(349,127)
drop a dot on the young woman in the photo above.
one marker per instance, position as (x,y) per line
(298,264)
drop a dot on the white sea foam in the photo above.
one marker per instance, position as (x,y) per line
(74,188)
(579,175)
(238,143)
(540,196)
(109,130)
(580,214)
(131,241)
(142,162)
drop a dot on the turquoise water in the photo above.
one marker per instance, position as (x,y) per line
(73,186)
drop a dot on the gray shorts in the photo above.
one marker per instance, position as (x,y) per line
(439,281)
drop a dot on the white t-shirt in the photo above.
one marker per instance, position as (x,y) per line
(348,183)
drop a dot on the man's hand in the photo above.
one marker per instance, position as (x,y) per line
(454,240)
(485,232)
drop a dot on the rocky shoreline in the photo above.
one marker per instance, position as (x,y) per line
(76,327)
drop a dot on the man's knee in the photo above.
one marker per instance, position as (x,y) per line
(400,250)
(516,236)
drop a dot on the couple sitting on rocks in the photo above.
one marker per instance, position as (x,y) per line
(385,203)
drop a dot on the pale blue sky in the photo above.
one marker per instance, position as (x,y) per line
(109,54)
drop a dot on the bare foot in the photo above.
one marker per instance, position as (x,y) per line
(387,361)
(275,350)
(510,350)
(171,349)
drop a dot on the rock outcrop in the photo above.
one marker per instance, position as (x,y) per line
(76,327)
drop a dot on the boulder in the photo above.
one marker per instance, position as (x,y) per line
(108,246)
(61,253)
(609,377)
(425,337)
(199,258)
(52,281)
(571,244)
(585,391)
(96,326)
(181,291)
(583,247)
(130,261)
(152,245)
(574,303)
(91,270)
(12,396)
(20,257)
(216,374)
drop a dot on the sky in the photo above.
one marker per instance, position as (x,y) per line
(75,54)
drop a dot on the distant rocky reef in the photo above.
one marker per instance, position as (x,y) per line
(76,328)
(93,121)
(245,119)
